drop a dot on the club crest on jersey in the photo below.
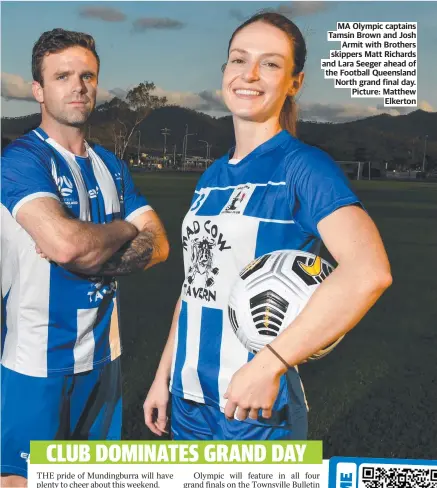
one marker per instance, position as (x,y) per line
(239,199)
(203,241)
(65,186)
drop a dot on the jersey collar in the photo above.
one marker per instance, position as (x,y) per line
(44,136)
(280,138)
(41,133)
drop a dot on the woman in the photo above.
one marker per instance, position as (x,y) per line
(270,192)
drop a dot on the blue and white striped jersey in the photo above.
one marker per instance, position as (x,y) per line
(58,322)
(272,199)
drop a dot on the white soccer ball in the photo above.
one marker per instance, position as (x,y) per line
(270,293)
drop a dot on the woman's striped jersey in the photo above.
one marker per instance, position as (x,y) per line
(272,199)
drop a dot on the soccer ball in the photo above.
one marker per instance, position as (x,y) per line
(270,293)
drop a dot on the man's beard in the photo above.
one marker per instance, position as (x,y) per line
(78,119)
(73,118)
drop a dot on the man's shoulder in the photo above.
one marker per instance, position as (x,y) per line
(27,151)
(103,152)
(27,145)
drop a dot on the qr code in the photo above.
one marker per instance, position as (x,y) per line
(398,476)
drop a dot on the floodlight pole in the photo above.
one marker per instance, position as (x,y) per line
(424,154)
(165,132)
(208,147)
(138,150)
(185,144)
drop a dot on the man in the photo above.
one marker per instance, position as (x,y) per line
(72,220)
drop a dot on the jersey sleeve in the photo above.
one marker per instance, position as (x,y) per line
(319,187)
(199,195)
(25,175)
(134,202)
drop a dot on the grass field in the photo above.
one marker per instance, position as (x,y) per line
(376,395)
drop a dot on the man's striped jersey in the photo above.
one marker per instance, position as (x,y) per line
(58,322)
(272,199)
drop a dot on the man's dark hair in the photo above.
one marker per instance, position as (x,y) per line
(55,41)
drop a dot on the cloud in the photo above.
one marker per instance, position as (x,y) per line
(393,111)
(103,95)
(300,9)
(320,112)
(204,101)
(237,14)
(107,14)
(118,92)
(213,101)
(144,24)
(289,9)
(14,87)
(426,106)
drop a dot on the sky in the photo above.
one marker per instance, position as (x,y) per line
(181,46)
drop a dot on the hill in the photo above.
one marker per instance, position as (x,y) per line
(379,138)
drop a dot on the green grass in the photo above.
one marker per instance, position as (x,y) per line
(376,395)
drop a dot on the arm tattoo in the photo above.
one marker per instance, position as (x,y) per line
(133,256)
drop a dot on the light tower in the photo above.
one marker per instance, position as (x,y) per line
(165,132)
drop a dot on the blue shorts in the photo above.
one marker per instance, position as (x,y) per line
(84,406)
(197,421)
